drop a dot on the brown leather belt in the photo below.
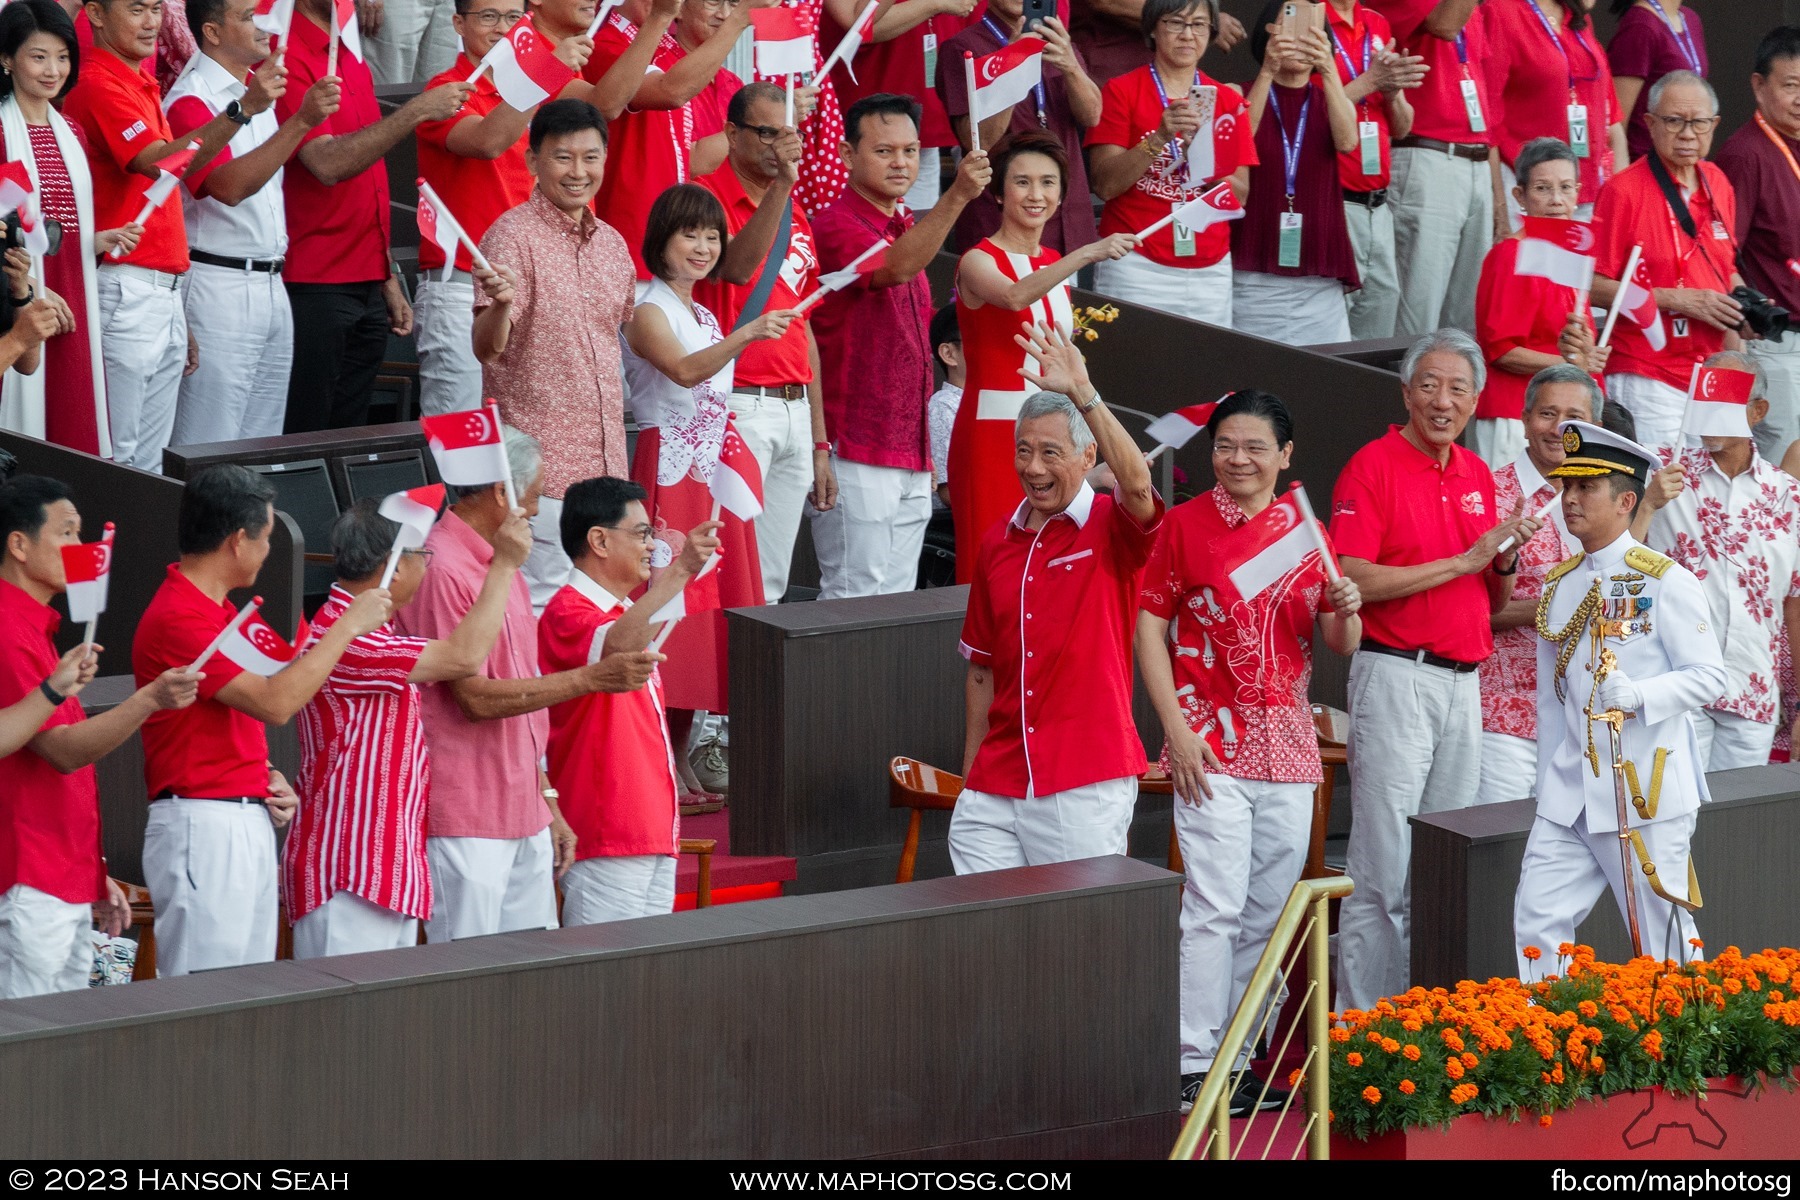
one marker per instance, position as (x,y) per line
(784,391)
(1420,656)
(1470,151)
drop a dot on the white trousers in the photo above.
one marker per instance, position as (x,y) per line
(1728,741)
(348,924)
(927,187)
(415,43)
(1244,850)
(210,866)
(1375,306)
(144,341)
(597,890)
(1443,227)
(1197,293)
(779,434)
(547,568)
(244,326)
(1414,747)
(443,331)
(1496,440)
(991,833)
(1780,361)
(1565,871)
(1508,768)
(1299,310)
(490,885)
(1657,407)
(44,944)
(868,545)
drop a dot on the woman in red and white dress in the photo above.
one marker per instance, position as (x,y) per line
(1009,281)
(679,367)
(1229,678)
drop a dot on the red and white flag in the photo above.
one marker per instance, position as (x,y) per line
(254,645)
(438,226)
(86,569)
(1637,302)
(274,17)
(1006,76)
(1719,403)
(526,69)
(1258,554)
(845,51)
(1217,203)
(701,594)
(866,263)
(1178,428)
(737,479)
(468,446)
(15,186)
(1560,251)
(348,35)
(416,510)
(783,45)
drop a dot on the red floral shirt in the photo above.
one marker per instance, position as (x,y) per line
(1509,677)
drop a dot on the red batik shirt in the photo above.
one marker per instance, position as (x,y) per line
(1509,676)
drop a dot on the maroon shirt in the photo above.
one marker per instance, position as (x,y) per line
(1644,47)
(1108,46)
(1325,249)
(1768,209)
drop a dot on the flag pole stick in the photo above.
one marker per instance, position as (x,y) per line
(1156,453)
(837,52)
(462,235)
(331,55)
(813,299)
(1160,224)
(144,214)
(87,637)
(480,70)
(1612,317)
(974,125)
(656,643)
(512,499)
(93,622)
(600,15)
(236,623)
(1312,526)
(393,562)
(787,116)
(1681,435)
(1539,515)
(717,508)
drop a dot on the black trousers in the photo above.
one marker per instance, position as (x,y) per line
(340,337)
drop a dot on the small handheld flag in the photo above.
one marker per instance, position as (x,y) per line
(470,448)
(443,230)
(1217,203)
(600,16)
(783,45)
(86,570)
(1560,251)
(1636,299)
(737,482)
(1260,553)
(415,510)
(161,190)
(1005,77)
(866,263)
(526,69)
(1718,403)
(845,51)
(1174,430)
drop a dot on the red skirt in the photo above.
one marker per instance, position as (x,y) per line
(696,676)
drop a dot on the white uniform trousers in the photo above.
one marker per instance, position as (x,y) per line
(44,943)
(443,331)
(143,339)
(1508,768)
(926,189)
(210,866)
(547,567)
(1302,310)
(1414,746)
(1728,741)
(348,924)
(1496,441)
(244,326)
(1197,293)
(1566,869)
(992,833)
(1443,228)
(1657,407)
(597,890)
(869,543)
(1780,361)
(490,885)
(779,434)
(1375,306)
(415,43)
(1243,850)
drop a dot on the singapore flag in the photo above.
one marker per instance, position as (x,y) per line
(1259,554)
(1560,251)
(737,483)
(1178,428)
(255,646)
(86,569)
(1719,403)
(1006,76)
(526,69)
(416,510)
(468,446)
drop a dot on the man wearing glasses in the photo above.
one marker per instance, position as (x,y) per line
(1680,209)
(475,161)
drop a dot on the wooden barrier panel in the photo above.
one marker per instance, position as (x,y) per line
(1028,1013)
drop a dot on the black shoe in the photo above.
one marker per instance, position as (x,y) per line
(1190,1090)
(1244,1100)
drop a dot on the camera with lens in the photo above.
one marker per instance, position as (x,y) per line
(1765,318)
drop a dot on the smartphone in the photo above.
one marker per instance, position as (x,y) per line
(1038,10)
(1297,19)
(1206,103)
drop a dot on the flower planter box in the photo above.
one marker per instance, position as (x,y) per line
(1728,1124)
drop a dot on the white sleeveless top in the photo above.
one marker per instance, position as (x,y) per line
(691,421)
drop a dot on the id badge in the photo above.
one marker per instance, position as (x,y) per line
(1680,326)
(1472,102)
(1368,135)
(1290,240)
(931,61)
(1578,130)
(1184,237)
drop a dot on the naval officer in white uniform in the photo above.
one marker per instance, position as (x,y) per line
(1621,597)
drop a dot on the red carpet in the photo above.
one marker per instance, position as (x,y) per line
(734,878)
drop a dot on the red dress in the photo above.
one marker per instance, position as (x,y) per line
(984,487)
(823,175)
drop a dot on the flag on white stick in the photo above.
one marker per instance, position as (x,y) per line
(1560,251)
(1217,203)
(1719,403)
(415,510)
(737,482)
(695,597)
(86,569)
(1178,428)
(253,644)
(783,45)
(1637,301)
(1539,515)
(469,447)
(439,226)
(969,86)
(173,167)
(1005,77)
(600,16)
(845,50)
(526,69)
(1258,554)
(866,263)
(274,17)
(343,31)
(15,186)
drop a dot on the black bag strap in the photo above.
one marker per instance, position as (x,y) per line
(765,280)
(1672,195)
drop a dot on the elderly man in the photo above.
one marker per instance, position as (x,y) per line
(1509,678)
(1417,527)
(1762,160)
(1727,514)
(1051,755)
(494,834)
(1679,209)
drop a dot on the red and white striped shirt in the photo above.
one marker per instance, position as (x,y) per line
(363,780)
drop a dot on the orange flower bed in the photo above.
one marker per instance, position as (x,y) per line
(1514,1049)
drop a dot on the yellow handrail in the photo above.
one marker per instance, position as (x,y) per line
(1307,905)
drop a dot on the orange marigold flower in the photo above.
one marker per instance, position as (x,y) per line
(1734,986)
(1408,1087)
(1588,1008)
(1412,1052)
(1599,1065)
(1453,1040)
(1532,953)
(1753,983)
(1454,1069)
(1390,1045)
(1340,1036)
(1373,1036)
(1470,1061)
(1353,1058)
(1652,1044)
(1556,1074)
(1544,1120)
(1696,943)
(1462,1093)
(1296,1077)
(1372,1094)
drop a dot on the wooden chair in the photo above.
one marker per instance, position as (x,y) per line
(703,848)
(1333,726)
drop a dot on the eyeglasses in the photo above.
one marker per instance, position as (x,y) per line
(1231,449)
(1678,125)
(642,533)
(488,18)
(768,133)
(1178,27)
(424,554)
(1554,191)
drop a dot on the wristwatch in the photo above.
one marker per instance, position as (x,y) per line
(1090,406)
(235,113)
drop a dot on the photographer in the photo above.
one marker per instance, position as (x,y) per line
(1762,160)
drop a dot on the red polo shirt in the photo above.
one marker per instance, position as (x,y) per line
(1438,108)
(49,822)
(119,108)
(1533,85)
(1355,43)
(1514,312)
(1395,506)
(610,756)
(208,750)
(647,148)
(1052,612)
(783,361)
(1632,211)
(476,189)
(336,234)
(902,66)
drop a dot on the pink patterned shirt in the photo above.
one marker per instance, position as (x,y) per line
(1509,677)
(1741,537)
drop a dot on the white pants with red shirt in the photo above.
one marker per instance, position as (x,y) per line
(992,833)
(779,434)
(210,867)
(443,329)
(601,889)
(869,542)
(143,338)
(349,924)
(44,944)
(490,885)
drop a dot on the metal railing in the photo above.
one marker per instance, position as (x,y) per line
(1304,925)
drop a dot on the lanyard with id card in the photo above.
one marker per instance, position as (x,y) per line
(1368,133)
(1288,250)
(1185,243)
(1580,136)
(930,61)
(1470,93)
